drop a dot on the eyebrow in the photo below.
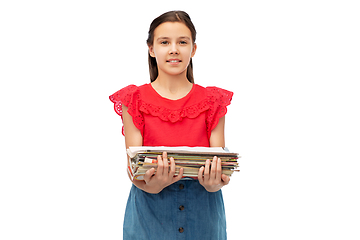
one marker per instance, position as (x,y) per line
(182,37)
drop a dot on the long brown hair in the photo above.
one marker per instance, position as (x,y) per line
(172,16)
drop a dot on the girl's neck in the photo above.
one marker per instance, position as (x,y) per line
(172,87)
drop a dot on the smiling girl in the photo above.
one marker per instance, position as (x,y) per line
(174,111)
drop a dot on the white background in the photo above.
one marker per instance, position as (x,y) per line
(294,118)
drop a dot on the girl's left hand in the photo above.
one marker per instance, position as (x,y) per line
(212,179)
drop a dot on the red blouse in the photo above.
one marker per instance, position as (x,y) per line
(163,122)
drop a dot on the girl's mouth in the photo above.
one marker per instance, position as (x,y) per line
(173,61)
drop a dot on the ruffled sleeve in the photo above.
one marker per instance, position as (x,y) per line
(218,100)
(129,97)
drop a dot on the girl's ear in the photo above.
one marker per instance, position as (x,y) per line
(151,51)
(194,50)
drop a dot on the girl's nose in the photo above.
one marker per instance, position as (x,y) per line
(173,50)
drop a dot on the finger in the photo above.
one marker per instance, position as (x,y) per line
(179,176)
(165,163)
(148,175)
(160,166)
(172,167)
(200,175)
(213,168)
(225,179)
(207,170)
(218,170)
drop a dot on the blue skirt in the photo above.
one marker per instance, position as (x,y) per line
(183,210)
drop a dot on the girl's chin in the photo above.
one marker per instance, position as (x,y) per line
(173,72)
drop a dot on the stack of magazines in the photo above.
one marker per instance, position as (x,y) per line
(189,158)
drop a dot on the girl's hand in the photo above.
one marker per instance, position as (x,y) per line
(163,176)
(212,180)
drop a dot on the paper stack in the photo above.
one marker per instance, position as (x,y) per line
(189,158)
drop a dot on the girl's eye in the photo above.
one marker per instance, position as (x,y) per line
(183,42)
(164,42)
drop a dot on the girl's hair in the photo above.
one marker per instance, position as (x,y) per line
(172,16)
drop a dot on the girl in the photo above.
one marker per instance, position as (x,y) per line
(173,111)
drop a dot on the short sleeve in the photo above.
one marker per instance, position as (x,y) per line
(129,97)
(218,100)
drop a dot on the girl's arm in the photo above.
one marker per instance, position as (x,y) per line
(217,138)
(133,135)
(212,178)
(163,177)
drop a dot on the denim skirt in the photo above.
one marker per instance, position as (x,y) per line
(183,210)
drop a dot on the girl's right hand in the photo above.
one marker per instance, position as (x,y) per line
(163,176)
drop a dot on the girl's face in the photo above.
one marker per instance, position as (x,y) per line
(173,48)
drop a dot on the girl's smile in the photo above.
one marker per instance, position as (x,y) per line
(174,61)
